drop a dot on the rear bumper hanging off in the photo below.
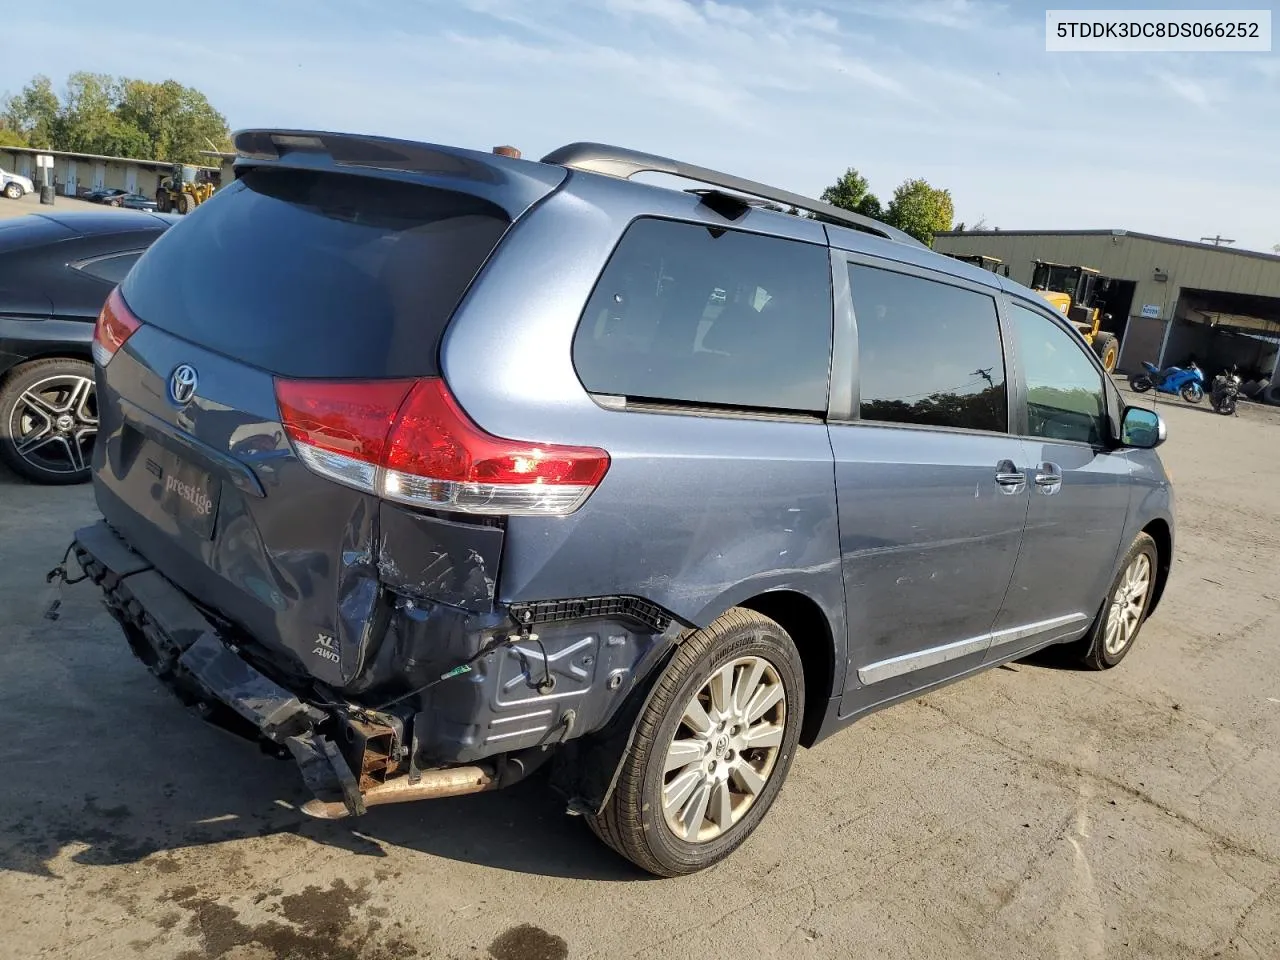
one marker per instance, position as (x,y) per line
(206,671)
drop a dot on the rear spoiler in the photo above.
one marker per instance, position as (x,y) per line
(512,184)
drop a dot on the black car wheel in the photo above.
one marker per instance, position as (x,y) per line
(49,420)
(13,191)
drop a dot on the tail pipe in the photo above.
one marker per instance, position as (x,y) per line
(429,785)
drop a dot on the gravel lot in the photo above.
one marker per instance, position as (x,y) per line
(1034,811)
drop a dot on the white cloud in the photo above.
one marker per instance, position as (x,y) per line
(1184,87)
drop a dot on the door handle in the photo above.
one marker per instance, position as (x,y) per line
(1009,478)
(1048,478)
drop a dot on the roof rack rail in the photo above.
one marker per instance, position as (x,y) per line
(624,164)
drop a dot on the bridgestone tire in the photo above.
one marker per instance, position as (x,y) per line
(633,821)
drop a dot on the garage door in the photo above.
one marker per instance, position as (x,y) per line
(1142,339)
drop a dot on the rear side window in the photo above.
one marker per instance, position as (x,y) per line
(317,274)
(928,353)
(691,314)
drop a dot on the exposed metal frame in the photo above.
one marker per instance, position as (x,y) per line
(624,164)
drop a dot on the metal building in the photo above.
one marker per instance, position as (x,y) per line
(1169,300)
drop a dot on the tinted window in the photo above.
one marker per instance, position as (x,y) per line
(1065,399)
(111,269)
(318,274)
(709,316)
(928,353)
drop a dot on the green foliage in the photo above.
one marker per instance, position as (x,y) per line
(920,210)
(851,192)
(916,208)
(11,138)
(33,113)
(117,116)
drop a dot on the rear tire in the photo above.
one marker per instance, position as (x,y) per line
(1140,383)
(1124,611)
(49,420)
(714,777)
(162,203)
(1107,347)
(13,191)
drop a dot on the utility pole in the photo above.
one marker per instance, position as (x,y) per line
(1218,240)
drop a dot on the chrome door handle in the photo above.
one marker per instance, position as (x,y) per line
(1048,478)
(1009,478)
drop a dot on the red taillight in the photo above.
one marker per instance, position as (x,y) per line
(115,325)
(410,441)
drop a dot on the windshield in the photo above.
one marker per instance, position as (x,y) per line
(1056,279)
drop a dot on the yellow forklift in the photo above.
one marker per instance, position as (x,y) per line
(982,262)
(1073,291)
(185,189)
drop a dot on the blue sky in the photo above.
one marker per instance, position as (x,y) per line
(960,92)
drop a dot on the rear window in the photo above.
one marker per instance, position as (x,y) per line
(711,317)
(316,274)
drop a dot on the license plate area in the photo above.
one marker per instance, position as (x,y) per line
(186,491)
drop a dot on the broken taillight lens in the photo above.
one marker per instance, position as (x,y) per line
(115,325)
(409,441)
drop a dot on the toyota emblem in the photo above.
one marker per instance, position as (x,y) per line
(182,383)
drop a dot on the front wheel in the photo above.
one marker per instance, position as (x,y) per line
(1125,609)
(1192,392)
(1226,406)
(1140,383)
(711,750)
(13,191)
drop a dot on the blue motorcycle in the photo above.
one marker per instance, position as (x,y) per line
(1188,381)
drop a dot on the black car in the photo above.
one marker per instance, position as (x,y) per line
(134,201)
(105,195)
(56,270)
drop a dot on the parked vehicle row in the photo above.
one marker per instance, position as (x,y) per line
(427,471)
(116,197)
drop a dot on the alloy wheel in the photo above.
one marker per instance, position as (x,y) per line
(1127,605)
(54,422)
(724,749)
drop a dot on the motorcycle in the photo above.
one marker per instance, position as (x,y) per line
(1185,381)
(1225,392)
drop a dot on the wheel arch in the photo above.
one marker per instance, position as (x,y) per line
(810,630)
(46,351)
(1160,531)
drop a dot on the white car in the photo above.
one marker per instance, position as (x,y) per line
(14,186)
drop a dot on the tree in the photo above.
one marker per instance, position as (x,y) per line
(178,122)
(117,117)
(920,210)
(851,192)
(11,138)
(33,113)
(89,122)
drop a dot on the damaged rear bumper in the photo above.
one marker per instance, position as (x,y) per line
(561,671)
(349,758)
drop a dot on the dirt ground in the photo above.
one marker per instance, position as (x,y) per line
(31,204)
(1034,811)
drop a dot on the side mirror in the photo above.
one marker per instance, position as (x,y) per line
(1142,428)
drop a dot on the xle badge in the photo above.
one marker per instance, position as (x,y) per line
(326,647)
